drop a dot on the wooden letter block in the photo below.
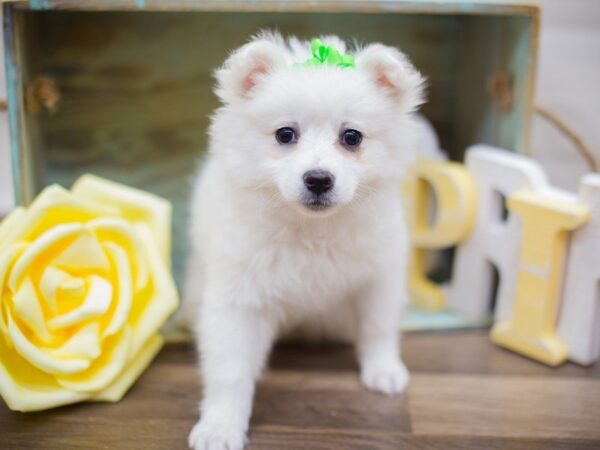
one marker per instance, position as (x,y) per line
(495,239)
(547,218)
(454,215)
(579,322)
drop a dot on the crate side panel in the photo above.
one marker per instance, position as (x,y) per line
(503,49)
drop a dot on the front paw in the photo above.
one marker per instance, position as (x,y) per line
(390,377)
(207,436)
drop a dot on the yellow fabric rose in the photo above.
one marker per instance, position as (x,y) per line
(85,286)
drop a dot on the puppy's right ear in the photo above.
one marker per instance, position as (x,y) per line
(247,67)
(391,71)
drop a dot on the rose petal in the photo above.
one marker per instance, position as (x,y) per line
(134,205)
(11,223)
(103,370)
(43,243)
(27,308)
(117,389)
(50,282)
(26,388)
(7,256)
(38,357)
(71,295)
(147,318)
(96,303)
(124,295)
(85,343)
(123,234)
(82,255)
(54,206)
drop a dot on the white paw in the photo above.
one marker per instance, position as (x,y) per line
(206,436)
(388,378)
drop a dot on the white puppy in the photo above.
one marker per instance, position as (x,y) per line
(297,221)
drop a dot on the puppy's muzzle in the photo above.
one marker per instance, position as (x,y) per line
(318,181)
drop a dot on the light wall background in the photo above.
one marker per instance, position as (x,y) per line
(568,83)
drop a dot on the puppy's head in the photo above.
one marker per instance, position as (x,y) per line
(316,138)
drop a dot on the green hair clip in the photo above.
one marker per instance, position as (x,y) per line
(327,55)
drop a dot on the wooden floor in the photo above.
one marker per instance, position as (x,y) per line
(465,394)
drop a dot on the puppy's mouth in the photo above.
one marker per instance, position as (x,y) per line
(317,203)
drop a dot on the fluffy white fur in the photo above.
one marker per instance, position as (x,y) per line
(263,263)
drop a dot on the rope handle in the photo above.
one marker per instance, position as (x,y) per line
(584,150)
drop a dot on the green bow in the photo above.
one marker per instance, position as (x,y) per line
(327,55)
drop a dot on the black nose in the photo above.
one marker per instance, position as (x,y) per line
(318,181)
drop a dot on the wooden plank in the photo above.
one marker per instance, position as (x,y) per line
(304,404)
(462,352)
(329,401)
(505,406)
(278,438)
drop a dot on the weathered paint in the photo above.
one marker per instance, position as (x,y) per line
(39,4)
(523,62)
(12,98)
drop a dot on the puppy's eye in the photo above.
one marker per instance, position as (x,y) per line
(351,139)
(286,135)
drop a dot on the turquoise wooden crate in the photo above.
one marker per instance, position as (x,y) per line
(133,78)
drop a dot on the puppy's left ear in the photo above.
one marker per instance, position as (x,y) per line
(391,70)
(245,68)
